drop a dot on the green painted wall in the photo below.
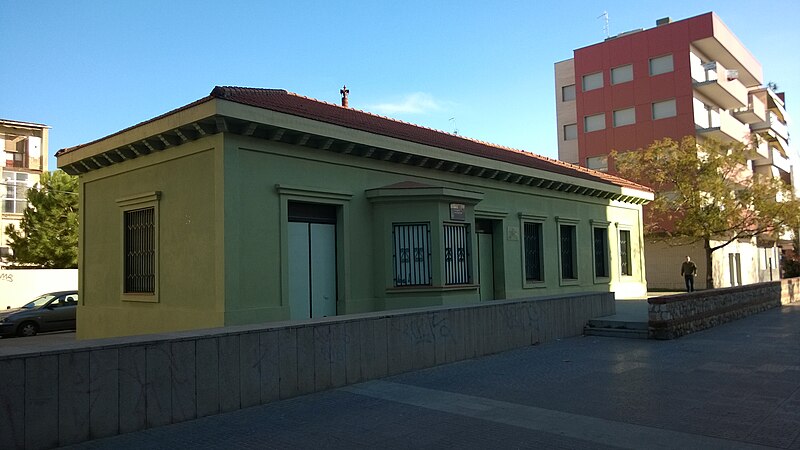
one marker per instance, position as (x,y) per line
(262,176)
(189,272)
(223,220)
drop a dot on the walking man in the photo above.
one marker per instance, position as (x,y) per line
(689,270)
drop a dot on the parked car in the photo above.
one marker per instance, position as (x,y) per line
(50,312)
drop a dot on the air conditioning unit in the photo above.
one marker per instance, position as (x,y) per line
(732,74)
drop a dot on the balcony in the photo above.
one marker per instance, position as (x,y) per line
(762,152)
(775,159)
(16,160)
(774,130)
(719,85)
(720,126)
(754,112)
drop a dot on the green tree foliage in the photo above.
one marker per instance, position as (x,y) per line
(706,193)
(48,233)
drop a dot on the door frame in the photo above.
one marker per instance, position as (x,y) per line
(494,220)
(341,200)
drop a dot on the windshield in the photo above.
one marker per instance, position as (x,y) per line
(39,301)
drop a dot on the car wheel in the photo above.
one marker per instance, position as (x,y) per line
(27,329)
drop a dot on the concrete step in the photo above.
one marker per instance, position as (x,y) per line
(611,322)
(615,332)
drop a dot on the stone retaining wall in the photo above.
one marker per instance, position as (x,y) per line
(676,315)
(93,389)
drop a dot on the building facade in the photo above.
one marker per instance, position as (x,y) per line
(687,78)
(25,155)
(255,205)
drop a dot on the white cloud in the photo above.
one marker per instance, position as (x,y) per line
(415,103)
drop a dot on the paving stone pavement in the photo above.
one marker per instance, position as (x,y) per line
(733,386)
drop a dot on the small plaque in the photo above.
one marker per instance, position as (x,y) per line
(457,211)
(513,233)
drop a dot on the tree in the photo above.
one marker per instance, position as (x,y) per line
(706,193)
(48,233)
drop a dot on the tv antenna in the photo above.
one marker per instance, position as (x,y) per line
(606,26)
(455,125)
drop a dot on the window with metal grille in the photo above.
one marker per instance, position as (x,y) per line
(533,251)
(601,252)
(412,254)
(456,254)
(140,251)
(569,269)
(625,252)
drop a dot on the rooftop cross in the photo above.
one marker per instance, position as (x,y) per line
(344,91)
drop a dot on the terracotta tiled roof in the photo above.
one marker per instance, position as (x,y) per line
(280,100)
(286,102)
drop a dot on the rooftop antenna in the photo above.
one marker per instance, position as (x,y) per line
(455,125)
(606,26)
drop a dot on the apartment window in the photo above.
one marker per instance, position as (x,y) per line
(532,235)
(594,123)
(571,132)
(140,247)
(568,251)
(412,254)
(662,110)
(662,64)
(456,254)
(592,81)
(622,74)
(597,163)
(626,268)
(568,93)
(600,247)
(624,117)
(16,188)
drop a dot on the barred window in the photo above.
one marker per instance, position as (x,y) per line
(569,252)
(601,252)
(625,252)
(533,251)
(140,251)
(456,254)
(412,254)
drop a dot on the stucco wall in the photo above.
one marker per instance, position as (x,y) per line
(189,270)
(254,224)
(223,234)
(19,286)
(664,259)
(101,388)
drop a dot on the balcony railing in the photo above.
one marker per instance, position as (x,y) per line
(720,126)
(16,159)
(719,84)
(774,131)
(754,112)
(777,125)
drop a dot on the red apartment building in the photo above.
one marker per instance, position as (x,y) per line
(689,77)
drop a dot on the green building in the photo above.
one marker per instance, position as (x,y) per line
(255,205)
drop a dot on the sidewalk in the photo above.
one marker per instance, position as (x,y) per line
(734,386)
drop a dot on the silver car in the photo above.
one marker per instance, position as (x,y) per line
(50,312)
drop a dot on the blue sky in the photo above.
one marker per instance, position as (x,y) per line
(484,68)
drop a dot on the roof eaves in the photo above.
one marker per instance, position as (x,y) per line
(66,150)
